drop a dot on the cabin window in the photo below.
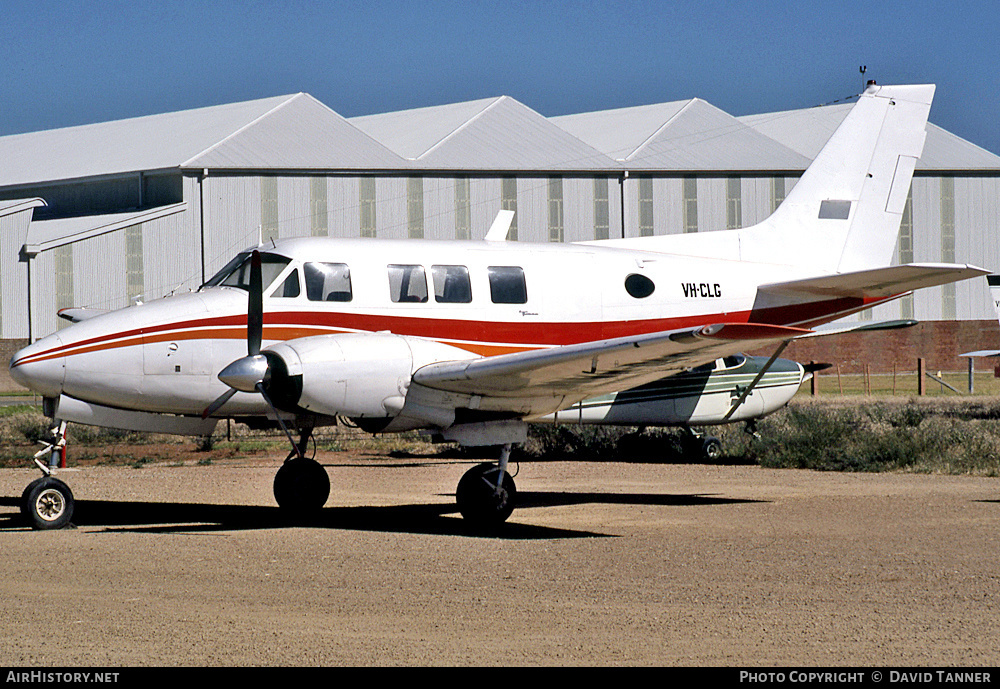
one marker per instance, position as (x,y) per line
(451,284)
(407,284)
(328,282)
(639,286)
(290,287)
(236,273)
(507,285)
(733,361)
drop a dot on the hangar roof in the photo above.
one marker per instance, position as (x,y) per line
(488,134)
(807,130)
(690,135)
(287,132)
(297,132)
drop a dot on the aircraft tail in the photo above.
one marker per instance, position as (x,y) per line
(843,214)
(846,209)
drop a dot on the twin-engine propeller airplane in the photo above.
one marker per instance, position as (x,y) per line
(471,340)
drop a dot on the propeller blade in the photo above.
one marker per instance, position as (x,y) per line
(255,307)
(251,372)
(219,401)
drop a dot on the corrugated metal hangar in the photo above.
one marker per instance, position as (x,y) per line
(104,214)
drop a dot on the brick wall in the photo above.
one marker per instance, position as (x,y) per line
(938,342)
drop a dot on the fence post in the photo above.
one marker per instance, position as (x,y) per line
(920,375)
(972,375)
(814,383)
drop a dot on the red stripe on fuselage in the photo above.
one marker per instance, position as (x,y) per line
(481,337)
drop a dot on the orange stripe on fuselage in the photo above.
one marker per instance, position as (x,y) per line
(485,338)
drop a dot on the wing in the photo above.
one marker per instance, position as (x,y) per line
(542,381)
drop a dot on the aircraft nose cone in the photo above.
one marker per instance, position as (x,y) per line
(39,367)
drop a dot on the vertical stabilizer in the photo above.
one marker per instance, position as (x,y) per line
(844,213)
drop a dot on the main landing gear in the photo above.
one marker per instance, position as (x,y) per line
(486,494)
(47,502)
(701,447)
(301,486)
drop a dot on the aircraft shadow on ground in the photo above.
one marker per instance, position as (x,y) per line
(437,519)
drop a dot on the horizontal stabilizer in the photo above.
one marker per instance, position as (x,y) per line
(880,283)
(861,327)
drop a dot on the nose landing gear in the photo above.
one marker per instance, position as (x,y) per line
(47,502)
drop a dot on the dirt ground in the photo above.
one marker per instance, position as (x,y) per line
(609,563)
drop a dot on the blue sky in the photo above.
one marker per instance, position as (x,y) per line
(69,63)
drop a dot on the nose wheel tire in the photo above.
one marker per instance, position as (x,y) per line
(301,487)
(47,503)
(479,501)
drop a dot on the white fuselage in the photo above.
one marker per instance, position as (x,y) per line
(164,356)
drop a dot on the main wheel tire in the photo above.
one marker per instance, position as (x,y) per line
(47,503)
(301,487)
(711,449)
(479,501)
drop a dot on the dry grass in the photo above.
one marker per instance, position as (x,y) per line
(934,434)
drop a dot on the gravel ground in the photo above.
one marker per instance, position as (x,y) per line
(603,564)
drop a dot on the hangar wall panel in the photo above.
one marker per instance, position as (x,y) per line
(578,209)
(343,207)
(977,241)
(232,217)
(533,209)
(43,295)
(392,219)
(485,202)
(14,286)
(711,204)
(439,208)
(924,193)
(171,255)
(294,213)
(668,205)
(98,272)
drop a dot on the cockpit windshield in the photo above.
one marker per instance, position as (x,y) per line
(236,273)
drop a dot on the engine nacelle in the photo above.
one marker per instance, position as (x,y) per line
(358,375)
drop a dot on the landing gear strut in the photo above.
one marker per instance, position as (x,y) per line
(701,447)
(301,486)
(486,494)
(47,502)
